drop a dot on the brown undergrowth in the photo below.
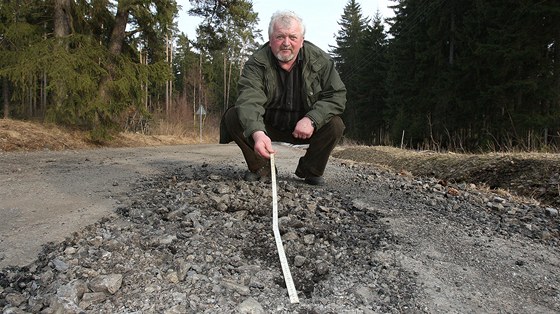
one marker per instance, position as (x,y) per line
(531,175)
(18,135)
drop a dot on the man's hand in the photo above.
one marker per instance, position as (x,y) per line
(304,129)
(263,144)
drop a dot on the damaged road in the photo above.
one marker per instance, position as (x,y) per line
(176,230)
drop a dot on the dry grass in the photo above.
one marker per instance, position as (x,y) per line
(532,175)
(28,136)
(25,136)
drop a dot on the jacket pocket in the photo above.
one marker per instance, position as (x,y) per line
(314,92)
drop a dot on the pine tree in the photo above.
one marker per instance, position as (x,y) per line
(348,56)
(372,90)
(404,114)
(473,74)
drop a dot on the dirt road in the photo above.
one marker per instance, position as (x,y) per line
(371,241)
(47,195)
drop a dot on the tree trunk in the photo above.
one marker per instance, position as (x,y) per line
(43,93)
(118,34)
(225,84)
(119,30)
(229,83)
(62,26)
(452,38)
(556,67)
(6,97)
(62,18)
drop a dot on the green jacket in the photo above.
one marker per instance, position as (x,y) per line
(326,93)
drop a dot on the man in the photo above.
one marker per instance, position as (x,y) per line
(289,91)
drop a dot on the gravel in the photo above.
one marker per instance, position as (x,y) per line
(198,239)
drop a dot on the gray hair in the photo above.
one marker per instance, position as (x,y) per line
(285,18)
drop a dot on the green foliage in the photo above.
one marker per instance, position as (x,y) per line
(452,74)
(220,18)
(80,81)
(185,65)
(362,62)
(470,71)
(226,37)
(457,74)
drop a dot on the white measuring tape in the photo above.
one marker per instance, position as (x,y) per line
(292,292)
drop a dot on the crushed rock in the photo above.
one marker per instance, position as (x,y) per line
(199,240)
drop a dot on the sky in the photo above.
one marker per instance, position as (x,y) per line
(320,17)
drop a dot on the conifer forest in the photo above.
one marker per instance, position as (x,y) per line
(461,75)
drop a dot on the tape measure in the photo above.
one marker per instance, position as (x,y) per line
(292,292)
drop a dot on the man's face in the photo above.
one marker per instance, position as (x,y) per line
(286,40)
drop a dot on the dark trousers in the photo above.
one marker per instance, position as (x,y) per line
(312,164)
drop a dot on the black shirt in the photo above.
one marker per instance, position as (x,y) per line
(287,108)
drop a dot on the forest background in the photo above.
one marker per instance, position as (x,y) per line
(452,75)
